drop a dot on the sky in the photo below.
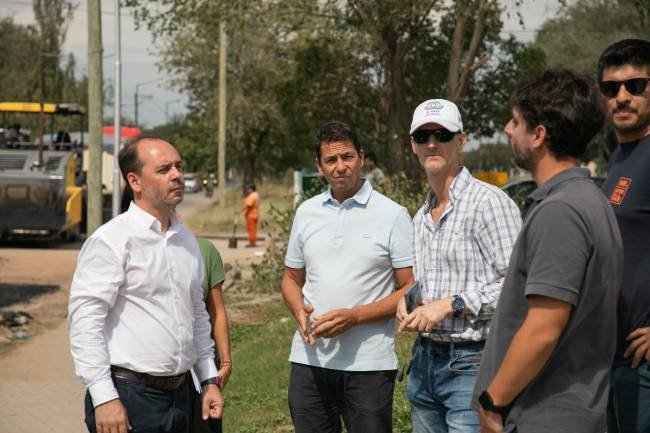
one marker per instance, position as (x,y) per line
(139,57)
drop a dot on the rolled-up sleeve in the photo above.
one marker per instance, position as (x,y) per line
(498,228)
(94,289)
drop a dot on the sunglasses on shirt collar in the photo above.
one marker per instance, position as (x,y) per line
(634,86)
(421,136)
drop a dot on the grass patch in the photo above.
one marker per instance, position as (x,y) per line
(218,220)
(256,396)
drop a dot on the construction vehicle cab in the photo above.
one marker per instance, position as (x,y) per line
(41,185)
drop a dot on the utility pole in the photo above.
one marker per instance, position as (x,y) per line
(222,114)
(95,206)
(117,186)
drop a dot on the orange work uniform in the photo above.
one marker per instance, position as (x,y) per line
(252,214)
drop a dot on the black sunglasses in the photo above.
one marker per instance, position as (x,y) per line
(421,136)
(634,86)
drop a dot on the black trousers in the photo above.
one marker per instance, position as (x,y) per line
(149,410)
(320,397)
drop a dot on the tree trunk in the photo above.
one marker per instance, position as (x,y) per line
(398,109)
(462,66)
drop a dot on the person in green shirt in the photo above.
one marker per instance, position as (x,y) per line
(214,278)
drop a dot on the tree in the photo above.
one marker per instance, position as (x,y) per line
(296,64)
(587,27)
(52,19)
(20,48)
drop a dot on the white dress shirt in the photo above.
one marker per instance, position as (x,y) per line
(136,302)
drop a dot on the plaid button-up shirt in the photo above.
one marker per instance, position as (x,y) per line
(466,253)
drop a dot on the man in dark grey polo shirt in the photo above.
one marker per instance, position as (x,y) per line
(548,354)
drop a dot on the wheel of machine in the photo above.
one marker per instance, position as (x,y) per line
(73,234)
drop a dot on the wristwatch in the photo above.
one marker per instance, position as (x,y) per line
(485,400)
(458,305)
(209,381)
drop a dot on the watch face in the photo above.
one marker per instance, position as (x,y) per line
(458,305)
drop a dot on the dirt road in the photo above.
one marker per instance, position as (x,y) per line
(38,389)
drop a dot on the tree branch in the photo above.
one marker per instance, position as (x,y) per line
(477,38)
(453,72)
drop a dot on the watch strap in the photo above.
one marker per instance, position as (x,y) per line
(209,381)
(486,402)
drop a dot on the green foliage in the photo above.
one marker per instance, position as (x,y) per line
(199,150)
(588,27)
(31,53)
(256,396)
(296,64)
(409,192)
(268,273)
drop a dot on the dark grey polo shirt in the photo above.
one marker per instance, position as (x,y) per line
(569,249)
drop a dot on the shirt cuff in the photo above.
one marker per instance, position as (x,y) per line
(205,369)
(103,391)
(294,264)
(401,263)
(474,305)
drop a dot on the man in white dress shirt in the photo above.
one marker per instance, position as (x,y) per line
(137,318)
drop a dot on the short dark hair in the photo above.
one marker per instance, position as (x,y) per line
(251,185)
(128,158)
(566,104)
(370,157)
(127,198)
(336,131)
(634,52)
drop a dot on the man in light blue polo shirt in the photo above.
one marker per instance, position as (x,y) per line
(349,250)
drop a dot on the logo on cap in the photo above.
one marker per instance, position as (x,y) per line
(433,105)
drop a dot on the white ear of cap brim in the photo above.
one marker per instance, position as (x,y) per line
(442,122)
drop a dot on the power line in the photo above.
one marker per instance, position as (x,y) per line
(76,7)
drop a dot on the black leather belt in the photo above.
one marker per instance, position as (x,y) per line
(451,346)
(164,383)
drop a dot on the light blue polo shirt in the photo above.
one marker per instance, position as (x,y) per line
(349,251)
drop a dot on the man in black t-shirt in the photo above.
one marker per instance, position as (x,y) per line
(624,76)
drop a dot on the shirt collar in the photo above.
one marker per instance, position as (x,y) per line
(151,222)
(456,188)
(362,196)
(543,191)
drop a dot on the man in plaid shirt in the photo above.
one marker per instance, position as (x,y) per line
(463,237)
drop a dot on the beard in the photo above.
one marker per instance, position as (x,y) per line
(633,125)
(642,122)
(523,159)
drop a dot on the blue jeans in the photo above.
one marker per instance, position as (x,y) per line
(440,386)
(628,410)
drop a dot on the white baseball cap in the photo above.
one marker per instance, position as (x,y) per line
(440,111)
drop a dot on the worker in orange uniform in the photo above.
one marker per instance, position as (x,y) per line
(251,212)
